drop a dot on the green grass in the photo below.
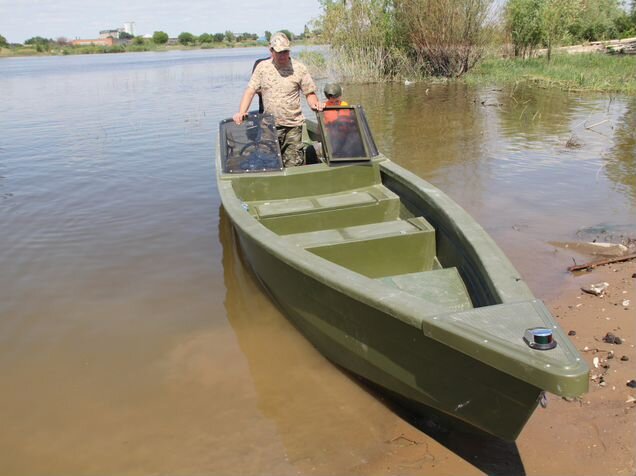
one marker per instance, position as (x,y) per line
(573,72)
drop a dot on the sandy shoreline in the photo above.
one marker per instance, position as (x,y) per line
(593,436)
(596,435)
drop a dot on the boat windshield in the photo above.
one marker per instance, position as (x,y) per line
(251,146)
(346,134)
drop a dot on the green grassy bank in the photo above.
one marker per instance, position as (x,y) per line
(574,72)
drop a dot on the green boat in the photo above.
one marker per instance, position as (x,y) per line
(389,278)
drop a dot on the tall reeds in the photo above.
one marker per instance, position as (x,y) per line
(446,37)
(375,40)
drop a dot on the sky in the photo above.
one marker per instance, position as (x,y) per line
(24,19)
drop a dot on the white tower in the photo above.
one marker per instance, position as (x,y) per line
(129,27)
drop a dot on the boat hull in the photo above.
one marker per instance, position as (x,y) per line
(371,344)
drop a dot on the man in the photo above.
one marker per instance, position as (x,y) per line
(281,80)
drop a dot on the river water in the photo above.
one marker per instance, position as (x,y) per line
(132,338)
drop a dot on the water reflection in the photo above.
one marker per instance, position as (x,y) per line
(424,127)
(621,160)
(535,114)
(528,163)
(326,420)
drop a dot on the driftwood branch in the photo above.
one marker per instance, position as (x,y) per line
(602,262)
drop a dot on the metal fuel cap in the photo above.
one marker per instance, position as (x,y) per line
(539,338)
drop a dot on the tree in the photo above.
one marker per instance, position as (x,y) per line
(138,40)
(230,37)
(37,40)
(205,38)
(447,37)
(186,38)
(556,17)
(160,37)
(598,20)
(3,41)
(124,35)
(246,36)
(288,34)
(523,23)
(218,37)
(268,35)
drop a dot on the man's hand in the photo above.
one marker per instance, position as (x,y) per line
(238,117)
(314,103)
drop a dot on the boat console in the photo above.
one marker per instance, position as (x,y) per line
(252,146)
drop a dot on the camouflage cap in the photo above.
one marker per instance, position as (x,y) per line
(279,42)
(333,90)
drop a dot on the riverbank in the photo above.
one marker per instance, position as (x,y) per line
(148,45)
(131,48)
(595,434)
(572,72)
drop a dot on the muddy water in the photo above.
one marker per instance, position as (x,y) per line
(132,338)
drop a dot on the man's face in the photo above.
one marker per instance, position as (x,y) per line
(282,58)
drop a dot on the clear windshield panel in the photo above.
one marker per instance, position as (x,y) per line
(251,146)
(346,135)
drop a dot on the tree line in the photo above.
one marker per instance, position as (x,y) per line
(161,38)
(386,39)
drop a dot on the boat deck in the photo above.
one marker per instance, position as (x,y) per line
(360,225)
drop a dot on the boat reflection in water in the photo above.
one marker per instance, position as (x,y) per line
(326,419)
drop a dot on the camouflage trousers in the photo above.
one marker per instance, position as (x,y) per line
(291,145)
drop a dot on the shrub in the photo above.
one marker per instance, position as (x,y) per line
(380,39)
(446,37)
(186,38)
(160,37)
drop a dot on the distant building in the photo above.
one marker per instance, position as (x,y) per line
(110,33)
(129,27)
(109,37)
(107,41)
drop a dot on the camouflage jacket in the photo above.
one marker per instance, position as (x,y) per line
(281,88)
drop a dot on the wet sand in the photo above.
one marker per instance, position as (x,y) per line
(597,434)
(591,436)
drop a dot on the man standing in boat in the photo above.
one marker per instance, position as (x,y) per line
(280,82)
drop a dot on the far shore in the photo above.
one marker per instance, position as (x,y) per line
(29,51)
